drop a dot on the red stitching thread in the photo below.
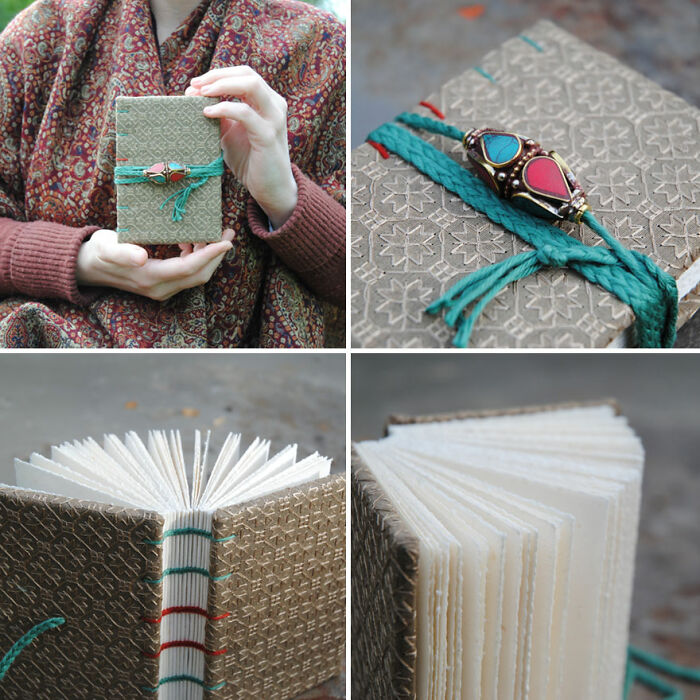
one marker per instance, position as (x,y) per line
(432,108)
(185,609)
(183,643)
(382,150)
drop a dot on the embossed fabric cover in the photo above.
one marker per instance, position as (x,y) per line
(158,129)
(634,147)
(384,556)
(86,561)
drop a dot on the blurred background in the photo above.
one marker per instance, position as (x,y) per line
(49,398)
(659,394)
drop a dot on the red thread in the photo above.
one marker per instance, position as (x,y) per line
(433,109)
(122,159)
(184,643)
(185,609)
(382,150)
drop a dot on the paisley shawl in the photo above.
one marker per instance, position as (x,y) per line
(62,65)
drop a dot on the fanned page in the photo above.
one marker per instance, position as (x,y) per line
(152,475)
(527,527)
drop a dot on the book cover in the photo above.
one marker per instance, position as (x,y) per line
(245,600)
(634,147)
(167,130)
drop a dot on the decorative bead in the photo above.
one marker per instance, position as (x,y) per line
(162,174)
(501,148)
(544,176)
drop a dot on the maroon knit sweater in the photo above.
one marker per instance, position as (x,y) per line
(38,258)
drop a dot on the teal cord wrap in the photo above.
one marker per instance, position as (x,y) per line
(200,174)
(25,640)
(637,673)
(628,274)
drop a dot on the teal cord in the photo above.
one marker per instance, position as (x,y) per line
(133,175)
(25,640)
(635,672)
(629,275)
(189,679)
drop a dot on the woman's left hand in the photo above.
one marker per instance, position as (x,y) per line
(253,136)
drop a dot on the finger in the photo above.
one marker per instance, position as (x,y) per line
(251,89)
(168,289)
(199,246)
(243,113)
(192,91)
(228,235)
(121,254)
(216,73)
(180,268)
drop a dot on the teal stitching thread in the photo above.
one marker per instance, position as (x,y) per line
(629,275)
(486,75)
(188,531)
(25,640)
(122,207)
(118,134)
(121,230)
(187,570)
(133,175)
(122,111)
(191,679)
(531,42)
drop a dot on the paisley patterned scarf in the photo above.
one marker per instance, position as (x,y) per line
(57,151)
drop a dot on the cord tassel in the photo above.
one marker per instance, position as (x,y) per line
(628,274)
(181,197)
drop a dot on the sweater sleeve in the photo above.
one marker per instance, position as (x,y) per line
(37,258)
(312,241)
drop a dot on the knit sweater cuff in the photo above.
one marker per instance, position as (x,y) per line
(312,241)
(38,259)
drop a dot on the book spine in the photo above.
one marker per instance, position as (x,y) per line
(185,579)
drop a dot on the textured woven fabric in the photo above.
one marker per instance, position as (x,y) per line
(57,147)
(634,147)
(167,129)
(84,562)
(286,595)
(384,556)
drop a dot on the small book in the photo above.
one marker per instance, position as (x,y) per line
(492,555)
(155,133)
(633,146)
(226,580)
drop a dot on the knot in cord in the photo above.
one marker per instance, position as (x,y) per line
(552,256)
(628,274)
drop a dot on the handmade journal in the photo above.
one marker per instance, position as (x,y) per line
(493,554)
(547,197)
(168,170)
(124,574)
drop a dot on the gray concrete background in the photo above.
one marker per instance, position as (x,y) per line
(401,52)
(50,398)
(659,394)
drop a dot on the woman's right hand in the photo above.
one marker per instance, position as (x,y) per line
(103,262)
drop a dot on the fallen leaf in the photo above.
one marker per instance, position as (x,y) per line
(131,405)
(219,421)
(472,12)
(190,412)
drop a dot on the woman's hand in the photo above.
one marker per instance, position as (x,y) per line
(253,136)
(104,262)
